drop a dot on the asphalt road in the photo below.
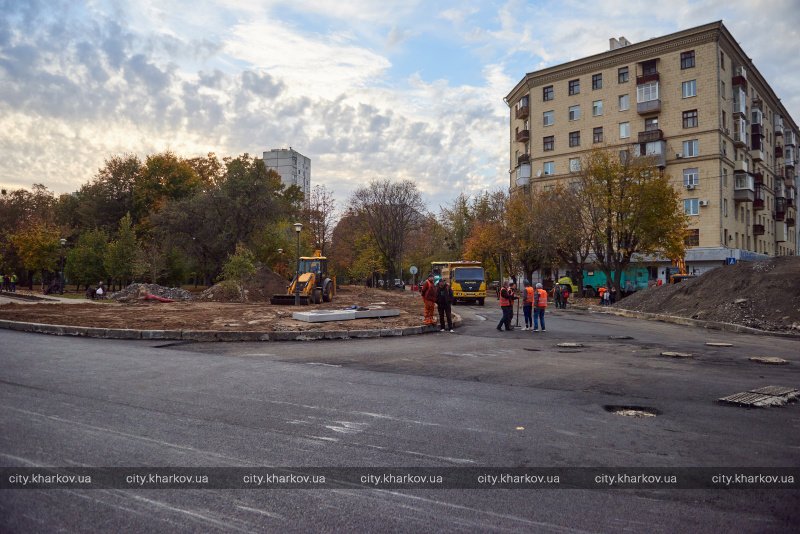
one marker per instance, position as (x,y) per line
(474,398)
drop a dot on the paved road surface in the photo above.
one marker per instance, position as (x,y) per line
(476,398)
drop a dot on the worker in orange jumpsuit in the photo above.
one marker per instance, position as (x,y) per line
(428,292)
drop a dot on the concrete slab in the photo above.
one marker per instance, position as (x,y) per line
(322,316)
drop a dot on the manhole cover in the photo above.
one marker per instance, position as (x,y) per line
(672,354)
(632,411)
(763,397)
(772,360)
(714,344)
(570,345)
(620,337)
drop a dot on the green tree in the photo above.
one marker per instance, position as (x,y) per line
(105,200)
(163,178)
(239,267)
(85,261)
(631,208)
(38,247)
(120,258)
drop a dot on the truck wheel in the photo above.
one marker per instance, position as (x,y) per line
(480,302)
(326,295)
(316,296)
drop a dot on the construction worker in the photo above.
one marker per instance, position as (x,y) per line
(527,304)
(539,305)
(428,292)
(507,298)
(602,292)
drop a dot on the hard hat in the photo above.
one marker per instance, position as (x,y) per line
(538,286)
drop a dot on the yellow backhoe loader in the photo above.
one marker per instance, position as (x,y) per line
(311,285)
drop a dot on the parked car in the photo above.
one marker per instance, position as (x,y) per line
(399,284)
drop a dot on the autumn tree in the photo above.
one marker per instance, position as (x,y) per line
(391,210)
(631,209)
(457,219)
(164,177)
(38,246)
(321,216)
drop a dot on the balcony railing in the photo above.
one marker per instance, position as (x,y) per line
(758,178)
(523,111)
(779,215)
(646,78)
(651,135)
(740,80)
(758,229)
(744,189)
(756,129)
(778,151)
(523,158)
(758,204)
(651,106)
(523,135)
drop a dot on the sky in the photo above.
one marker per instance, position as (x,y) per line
(368,89)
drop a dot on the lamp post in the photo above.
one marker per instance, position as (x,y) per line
(280,262)
(297,228)
(63,261)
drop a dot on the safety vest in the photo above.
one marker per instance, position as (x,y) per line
(601,291)
(529,293)
(542,298)
(503,300)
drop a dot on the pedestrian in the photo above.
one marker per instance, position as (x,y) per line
(527,303)
(607,298)
(507,306)
(539,305)
(602,293)
(564,296)
(557,295)
(444,301)
(13,282)
(99,292)
(428,292)
(6,282)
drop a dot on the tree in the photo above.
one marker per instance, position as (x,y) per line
(163,178)
(120,255)
(108,197)
(458,219)
(320,216)
(85,260)
(631,208)
(391,210)
(564,209)
(38,247)
(239,267)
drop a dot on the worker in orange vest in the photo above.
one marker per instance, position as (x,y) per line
(601,292)
(507,298)
(527,304)
(428,292)
(539,305)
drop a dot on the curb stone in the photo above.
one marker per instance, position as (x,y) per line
(686,321)
(217,335)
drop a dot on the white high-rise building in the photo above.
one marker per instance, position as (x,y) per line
(294,168)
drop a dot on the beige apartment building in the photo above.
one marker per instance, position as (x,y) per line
(695,101)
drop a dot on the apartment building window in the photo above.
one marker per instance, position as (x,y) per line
(624,130)
(649,67)
(548,118)
(725,148)
(549,168)
(690,118)
(548,143)
(548,93)
(597,108)
(651,124)
(597,135)
(597,81)
(574,164)
(691,148)
(691,176)
(691,206)
(622,75)
(724,120)
(574,113)
(722,59)
(574,87)
(687,60)
(692,238)
(725,207)
(624,102)
(647,92)
(624,156)
(575,138)
(689,89)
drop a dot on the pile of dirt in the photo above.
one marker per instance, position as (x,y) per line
(763,294)
(257,288)
(134,292)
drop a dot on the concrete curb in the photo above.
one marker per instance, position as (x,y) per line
(217,335)
(686,321)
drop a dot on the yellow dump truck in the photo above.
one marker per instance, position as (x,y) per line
(467,279)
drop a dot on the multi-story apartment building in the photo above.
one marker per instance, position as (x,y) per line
(294,168)
(694,100)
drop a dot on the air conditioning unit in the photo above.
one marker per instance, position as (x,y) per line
(679,155)
(704,203)
(690,187)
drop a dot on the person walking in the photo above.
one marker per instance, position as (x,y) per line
(444,302)
(539,305)
(506,305)
(13,282)
(428,292)
(564,296)
(527,304)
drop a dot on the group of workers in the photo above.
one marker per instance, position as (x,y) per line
(439,295)
(534,303)
(10,282)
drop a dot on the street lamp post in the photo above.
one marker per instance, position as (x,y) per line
(297,228)
(63,261)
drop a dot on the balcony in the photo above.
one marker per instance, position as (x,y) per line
(647,78)
(758,178)
(740,81)
(779,216)
(523,158)
(651,106)
(757,154)
(778,151)
(758,204)
(523,175)
(523,112)
(650,136)
(756,129)
(790,139)
(789,221)
(744,189)
(523,136)
(758,229)
(781,232)
(655,150)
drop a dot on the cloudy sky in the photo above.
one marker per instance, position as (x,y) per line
(365,88)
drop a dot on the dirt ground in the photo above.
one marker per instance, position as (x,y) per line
(198,315)
(763,295)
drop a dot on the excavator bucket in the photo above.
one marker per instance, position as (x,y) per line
(287,300)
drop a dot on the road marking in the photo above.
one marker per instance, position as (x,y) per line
(445,458)
(325,364)
(323,439)
(262,512)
